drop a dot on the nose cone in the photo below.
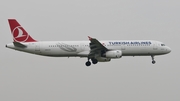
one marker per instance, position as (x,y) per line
(168,50)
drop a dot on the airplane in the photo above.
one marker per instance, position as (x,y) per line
(94,50)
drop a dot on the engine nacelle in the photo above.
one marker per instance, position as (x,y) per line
(103,59)
(113,54)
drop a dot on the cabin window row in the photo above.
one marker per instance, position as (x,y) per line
(63,45)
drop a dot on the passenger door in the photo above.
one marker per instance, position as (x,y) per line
(37,47)
(155,46)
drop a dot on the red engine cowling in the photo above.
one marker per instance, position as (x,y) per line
(113,54)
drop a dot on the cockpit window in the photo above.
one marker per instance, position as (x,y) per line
(162,44)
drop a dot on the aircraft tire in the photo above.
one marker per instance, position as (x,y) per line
(88,63)
(94,61)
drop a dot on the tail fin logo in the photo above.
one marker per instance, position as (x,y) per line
(19,34)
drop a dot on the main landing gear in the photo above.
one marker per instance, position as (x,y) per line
(94,61)
(153,61)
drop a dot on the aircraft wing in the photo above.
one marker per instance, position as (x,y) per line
(96,47)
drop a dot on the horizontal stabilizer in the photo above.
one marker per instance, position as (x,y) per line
(17,44)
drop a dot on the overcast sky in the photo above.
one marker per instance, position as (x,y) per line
(28,77)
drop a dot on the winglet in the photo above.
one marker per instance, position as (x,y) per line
(89,38)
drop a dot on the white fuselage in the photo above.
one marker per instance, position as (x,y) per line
(82,49)
(94,50)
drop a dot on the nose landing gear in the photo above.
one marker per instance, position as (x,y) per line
(153,61)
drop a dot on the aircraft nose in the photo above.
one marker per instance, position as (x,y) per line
(168,49)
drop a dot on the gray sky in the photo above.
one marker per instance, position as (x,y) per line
(27,77)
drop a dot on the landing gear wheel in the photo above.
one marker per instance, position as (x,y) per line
(88,63)
(153,62)
(94,61)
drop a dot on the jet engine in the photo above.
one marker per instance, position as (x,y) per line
(113,54)
(103,59)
